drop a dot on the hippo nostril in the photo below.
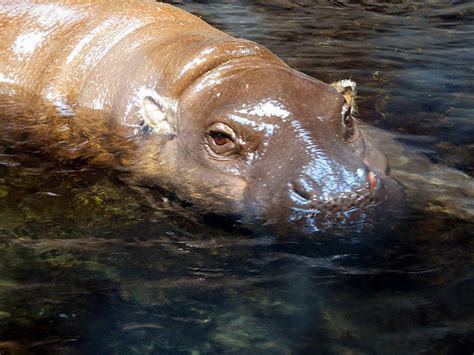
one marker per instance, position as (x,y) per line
(300,190)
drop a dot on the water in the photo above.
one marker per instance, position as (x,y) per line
(89,267)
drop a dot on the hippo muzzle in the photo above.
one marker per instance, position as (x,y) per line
(309,205)
(323,186)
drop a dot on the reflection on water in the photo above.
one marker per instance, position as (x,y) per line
(88,267)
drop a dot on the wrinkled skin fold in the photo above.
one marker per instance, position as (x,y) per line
(221,123)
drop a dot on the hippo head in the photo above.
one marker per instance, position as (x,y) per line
(271,146)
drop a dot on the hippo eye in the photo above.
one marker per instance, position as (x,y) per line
(221,138)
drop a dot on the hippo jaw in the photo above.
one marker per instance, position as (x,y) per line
(271,146)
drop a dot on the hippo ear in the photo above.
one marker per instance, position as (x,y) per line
(347,88)
(156,117)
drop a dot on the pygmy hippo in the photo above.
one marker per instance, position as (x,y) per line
(219,122)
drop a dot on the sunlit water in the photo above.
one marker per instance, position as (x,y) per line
(88,266)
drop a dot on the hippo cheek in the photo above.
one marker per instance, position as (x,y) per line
(161,165)
(210,190)
(226,198)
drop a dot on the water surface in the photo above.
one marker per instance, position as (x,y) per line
(88,266)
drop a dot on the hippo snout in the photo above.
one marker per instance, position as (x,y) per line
(353,200)
(307,194)
(322,204)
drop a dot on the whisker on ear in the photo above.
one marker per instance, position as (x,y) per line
(347,88)
(155,117)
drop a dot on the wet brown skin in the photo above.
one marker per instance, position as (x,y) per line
(220,122)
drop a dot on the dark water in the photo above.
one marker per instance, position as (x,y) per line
(87,266)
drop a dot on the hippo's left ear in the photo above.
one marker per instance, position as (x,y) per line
(157,117)
(347,88)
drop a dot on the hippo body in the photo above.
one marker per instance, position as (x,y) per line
(220,122)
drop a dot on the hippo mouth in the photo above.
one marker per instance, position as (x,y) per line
(342,204)
(345,215)
(314,220)
(343,207)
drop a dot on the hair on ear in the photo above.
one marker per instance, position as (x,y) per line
(347,88)
(155,117)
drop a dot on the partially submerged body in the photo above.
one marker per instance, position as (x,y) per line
(220,122)
(434,189)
